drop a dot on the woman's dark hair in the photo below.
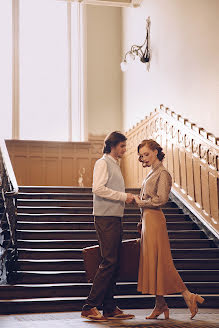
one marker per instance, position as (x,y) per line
(112,140)
(153,145)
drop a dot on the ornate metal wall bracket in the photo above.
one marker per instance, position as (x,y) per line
(143,52)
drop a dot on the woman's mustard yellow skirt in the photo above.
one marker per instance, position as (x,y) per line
(157,273)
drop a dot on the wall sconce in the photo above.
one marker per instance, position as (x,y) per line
(143,51)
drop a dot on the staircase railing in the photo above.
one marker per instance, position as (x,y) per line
(8,222)
(192,158)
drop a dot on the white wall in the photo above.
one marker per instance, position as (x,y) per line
(184,74)
(103,69)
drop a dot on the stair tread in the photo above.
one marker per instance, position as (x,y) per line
(87,214)
(80,249)
(89,222)
(50,260)
(81,260)
(42,202)
(82,271)
(52,194)
(85,225)
(84,298)
(92,231)
(70,231)
(44,211)
(79,284)
(95,240)
(84,207)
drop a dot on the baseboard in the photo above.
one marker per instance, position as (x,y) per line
(195,216)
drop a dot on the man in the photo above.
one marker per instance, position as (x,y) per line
(108,209)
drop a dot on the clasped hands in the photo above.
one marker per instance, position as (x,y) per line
(134,199)
(131,198)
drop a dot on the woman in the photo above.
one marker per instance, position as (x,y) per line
(157,273)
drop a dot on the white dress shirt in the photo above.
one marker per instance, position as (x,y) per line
(100,178)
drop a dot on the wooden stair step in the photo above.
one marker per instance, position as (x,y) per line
(43,277)
(25,217)
(76,303)
(82,290)
(195,253)
(54,203)
(81,210)
(89,234)
(72,203)
(65,234)
(61,189)
(54,189)
(47,254)
(175,243)
(192,243)
(53,196)
(78,264)
(51,265)
(199,275)
(56,217)
(40,245)
(211,253)
(8,292)
(197,264)
(90,226)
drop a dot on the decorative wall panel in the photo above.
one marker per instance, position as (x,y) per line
(192,158)
(41,163)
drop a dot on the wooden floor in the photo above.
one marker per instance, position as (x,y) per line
(206,318)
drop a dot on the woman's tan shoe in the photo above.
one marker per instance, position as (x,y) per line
(192,303)
(158,311)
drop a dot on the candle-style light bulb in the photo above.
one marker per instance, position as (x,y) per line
(124,66)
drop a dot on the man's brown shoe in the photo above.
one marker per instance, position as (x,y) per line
(93,314)
(118,314)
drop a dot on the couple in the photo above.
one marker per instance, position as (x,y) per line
(157,273)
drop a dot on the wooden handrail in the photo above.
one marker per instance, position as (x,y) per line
(9,191)
(9,169)
(192,158)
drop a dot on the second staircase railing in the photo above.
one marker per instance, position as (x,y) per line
(8,219)
(192,158)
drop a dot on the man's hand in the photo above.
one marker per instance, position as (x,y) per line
(130,198)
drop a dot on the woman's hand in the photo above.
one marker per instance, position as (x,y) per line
(137,199)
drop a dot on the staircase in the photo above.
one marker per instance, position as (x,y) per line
(55,223)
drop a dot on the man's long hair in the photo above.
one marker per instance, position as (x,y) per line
(112,140)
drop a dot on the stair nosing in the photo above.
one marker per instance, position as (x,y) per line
(90,284)
(43,299)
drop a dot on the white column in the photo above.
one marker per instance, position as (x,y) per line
(69,72)
(15,71)
(78,71)
(83,69)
